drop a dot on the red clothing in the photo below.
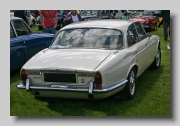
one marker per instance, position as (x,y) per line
(49,17)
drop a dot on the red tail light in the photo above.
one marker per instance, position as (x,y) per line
(23,76)
(98,80)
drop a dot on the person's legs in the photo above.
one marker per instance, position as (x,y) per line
(49,30)
(53,30)
(165,30)
(169,29)
(160,23)
(45,30)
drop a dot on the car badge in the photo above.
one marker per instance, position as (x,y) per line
(82,80)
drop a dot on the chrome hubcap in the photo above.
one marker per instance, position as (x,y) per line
(158,57)
(132,83)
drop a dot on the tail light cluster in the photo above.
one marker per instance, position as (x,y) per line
(23,76)
(98,80)
(146,22)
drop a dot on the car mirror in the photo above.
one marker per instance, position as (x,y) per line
(148,34)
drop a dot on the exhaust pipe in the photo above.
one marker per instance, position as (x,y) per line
(36,93)
(90,96)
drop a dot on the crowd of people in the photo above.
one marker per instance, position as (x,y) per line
(49,19)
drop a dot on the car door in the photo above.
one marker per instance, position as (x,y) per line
(143,39)
(16,49)
(138,47)
(149,42)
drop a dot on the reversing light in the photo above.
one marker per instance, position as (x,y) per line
(23,76)
(98,80)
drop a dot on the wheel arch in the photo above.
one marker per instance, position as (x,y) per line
(135,66)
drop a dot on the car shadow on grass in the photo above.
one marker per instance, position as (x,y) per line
(107,106)
(14,76)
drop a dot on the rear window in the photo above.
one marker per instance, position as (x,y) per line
(93,38)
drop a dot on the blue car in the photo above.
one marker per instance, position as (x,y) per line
(24,43)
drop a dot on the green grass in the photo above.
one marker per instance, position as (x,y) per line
(152,98)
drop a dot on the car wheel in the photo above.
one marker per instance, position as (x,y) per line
(157,60)
(130,87)
(149,29)
(40,27)
(129,90)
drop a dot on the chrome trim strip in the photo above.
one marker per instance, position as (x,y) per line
(85,74)
(111,87)
(90,87)
(20,85)
(64,70)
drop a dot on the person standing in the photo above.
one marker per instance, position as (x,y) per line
(166,23)
(113,13)
(133,14)
(48,19)
(34,13)
(72,17)
(21,14)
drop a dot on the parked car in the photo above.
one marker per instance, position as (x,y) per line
(24,43)
(92,60)
(156,13)
(95,14)
(147,20)
(61,15)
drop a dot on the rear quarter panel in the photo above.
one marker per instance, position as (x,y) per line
(116,67)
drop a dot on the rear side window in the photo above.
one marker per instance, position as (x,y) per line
(19,27)
(140,31)
(12,33)
(132,36)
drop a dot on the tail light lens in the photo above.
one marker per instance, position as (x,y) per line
(146,22)
(98,80)
(23,76)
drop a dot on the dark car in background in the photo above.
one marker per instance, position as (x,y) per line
(24,43)
(61,15)
(95,14)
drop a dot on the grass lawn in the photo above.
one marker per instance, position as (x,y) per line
(152,98)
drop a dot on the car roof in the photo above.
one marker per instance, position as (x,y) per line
(13,18)
(102,23)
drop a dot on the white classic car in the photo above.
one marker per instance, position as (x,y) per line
(92,60)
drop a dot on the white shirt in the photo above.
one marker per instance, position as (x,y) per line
(74,18)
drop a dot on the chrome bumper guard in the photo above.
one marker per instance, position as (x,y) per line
(90,90)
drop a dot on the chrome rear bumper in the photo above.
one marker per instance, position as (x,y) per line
(69,92)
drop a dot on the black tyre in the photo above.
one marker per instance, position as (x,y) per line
(40,27)
(149,29)
(130,89)
(157,60)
